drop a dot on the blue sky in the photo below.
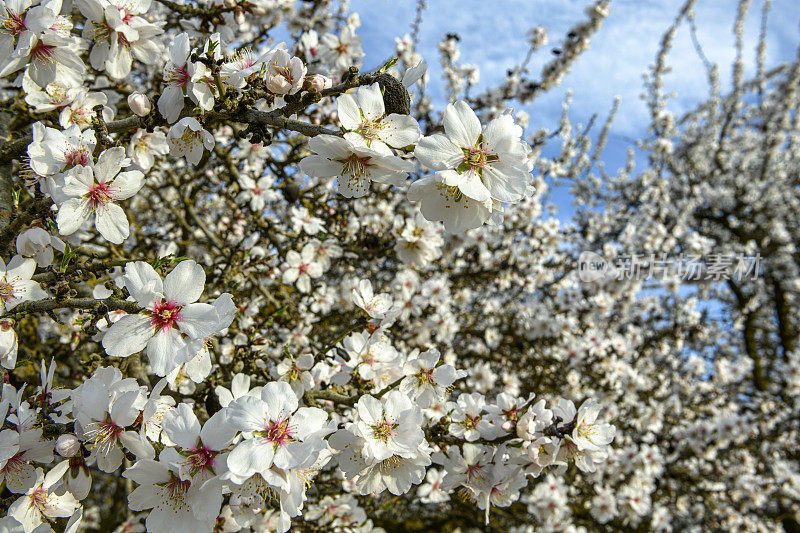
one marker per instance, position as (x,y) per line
(493,37)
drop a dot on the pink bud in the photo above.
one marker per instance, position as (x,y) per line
(67,445)
(508,425)
(139,104)
(317,82)
(239,17)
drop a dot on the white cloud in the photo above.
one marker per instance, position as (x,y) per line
(493,37)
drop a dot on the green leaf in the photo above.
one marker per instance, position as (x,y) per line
(386,66)
(69,253)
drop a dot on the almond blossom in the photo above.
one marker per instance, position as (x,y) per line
(365,117)
(39,245)
(42,503)
(303,220)
(589,434)
(118,35)
(396,473)
(200,447)
(343,50)
(172,325)
(23,448)
(257,193)
(144,148)
(53,151)
(187,138)
(354,166)
(97,189)
(448,204)
(295,372)
(20,17)
(277,431)
(16,285)
(390,427)
(374,305)
(105,409)
(176,505)
(426,382)
(52,96)
(81,109)
(372,356)
(180,76)
(243,64)
(9,345)
(43,55)
(419,242)
(284,73)
(302,267)
(484,163)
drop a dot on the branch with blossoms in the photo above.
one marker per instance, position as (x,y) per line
(249,287)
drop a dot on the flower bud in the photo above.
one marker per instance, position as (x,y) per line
(508,425)
(32,241)
(139,104)
(239,17)
(317,82)
(68,445)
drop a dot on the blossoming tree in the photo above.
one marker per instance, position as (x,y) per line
(247,286)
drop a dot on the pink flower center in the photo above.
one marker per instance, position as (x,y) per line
(383,430)
(165,315)
(425,377)
(202,458)
(13,25)
(279,432)
(176,489)
(75,157)
(103,434)
(125,15)
(177,76)
(302,268)
(42,52)
(474,471)
(123,41)
(355,166)
(471,421)
(39,499)
(286,72)
(99,195)
(368,358)
(6,291)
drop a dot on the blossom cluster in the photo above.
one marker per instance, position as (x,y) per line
(274,438)
(247,286)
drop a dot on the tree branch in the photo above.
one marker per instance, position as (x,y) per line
(109,304)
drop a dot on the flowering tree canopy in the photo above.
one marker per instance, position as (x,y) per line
(248,286)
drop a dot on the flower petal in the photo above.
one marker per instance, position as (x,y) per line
(185,283)
(128,335)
